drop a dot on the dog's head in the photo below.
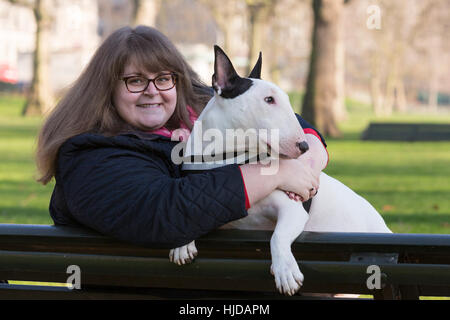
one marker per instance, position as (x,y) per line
(252,103)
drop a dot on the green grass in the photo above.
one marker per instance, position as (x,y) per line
(408,183)
(22,199)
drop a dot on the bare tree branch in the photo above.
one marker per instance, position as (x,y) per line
(24,3)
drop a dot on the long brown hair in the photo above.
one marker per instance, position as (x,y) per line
(88,106)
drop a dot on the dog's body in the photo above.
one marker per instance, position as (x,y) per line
(335,208)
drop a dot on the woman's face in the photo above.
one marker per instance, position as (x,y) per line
(148,110)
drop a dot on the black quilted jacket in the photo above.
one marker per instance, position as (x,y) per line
(128,188)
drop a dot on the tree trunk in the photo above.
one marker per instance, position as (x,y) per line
(259,12)
(222,18)
(224,13)
(400,96)
(395,92)
(144,12)
(433,94)
(321,97)
(340,112)
(434,70)
(40,97)
(375,89)
(388,105)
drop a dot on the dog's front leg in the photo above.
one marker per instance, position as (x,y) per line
(184,254)
(291,221)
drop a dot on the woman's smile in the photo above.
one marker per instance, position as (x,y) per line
(149,105)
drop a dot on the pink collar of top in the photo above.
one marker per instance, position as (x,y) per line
(163,131)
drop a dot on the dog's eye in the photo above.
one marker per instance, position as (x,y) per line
(269,100)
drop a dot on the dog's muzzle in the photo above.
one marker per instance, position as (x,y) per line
(303,146)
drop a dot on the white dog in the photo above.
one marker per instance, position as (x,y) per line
(252,104)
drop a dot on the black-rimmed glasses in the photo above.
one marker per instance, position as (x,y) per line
(163,82)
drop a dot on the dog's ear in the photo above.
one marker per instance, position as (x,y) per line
(225,80)
(256,72)
(223,70)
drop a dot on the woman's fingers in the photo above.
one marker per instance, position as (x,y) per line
(303,184)
(296,197)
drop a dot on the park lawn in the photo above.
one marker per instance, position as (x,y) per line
(408,183)
(22,199)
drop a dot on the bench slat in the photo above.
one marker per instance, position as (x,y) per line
(407,132)
(229,260)
(207,274)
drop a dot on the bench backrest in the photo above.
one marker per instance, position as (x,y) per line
(232,263)
(407,132)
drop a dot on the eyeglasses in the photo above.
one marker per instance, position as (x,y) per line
(162,82)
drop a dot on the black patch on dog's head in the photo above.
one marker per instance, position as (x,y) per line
(225,80)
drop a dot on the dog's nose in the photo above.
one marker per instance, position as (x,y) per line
(303,146)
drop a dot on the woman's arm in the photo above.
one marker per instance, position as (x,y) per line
(126,196)
(317,152)
(297,177)
(290,175)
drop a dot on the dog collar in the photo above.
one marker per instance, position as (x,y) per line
(202,162)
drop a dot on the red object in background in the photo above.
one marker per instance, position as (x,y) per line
(8,74)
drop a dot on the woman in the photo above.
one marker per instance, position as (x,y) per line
(108,145)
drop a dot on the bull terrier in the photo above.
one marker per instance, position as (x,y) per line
(251,105)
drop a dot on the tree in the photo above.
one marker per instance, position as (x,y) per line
(409,44)
(40,96)
(322,95)
(258,19)
(394,98)
(429,38)
(225,14)
(258,16)
(144,12)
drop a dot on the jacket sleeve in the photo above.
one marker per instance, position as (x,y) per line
(133,197)
(308,128)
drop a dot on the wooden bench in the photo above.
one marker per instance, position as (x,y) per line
(231,264)
(407,132)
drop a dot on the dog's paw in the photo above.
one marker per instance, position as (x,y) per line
(288,278)
(184,254)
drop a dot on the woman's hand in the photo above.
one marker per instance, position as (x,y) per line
(316,158)
(293,196)
(291,175)
(298,178)
(307,160)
